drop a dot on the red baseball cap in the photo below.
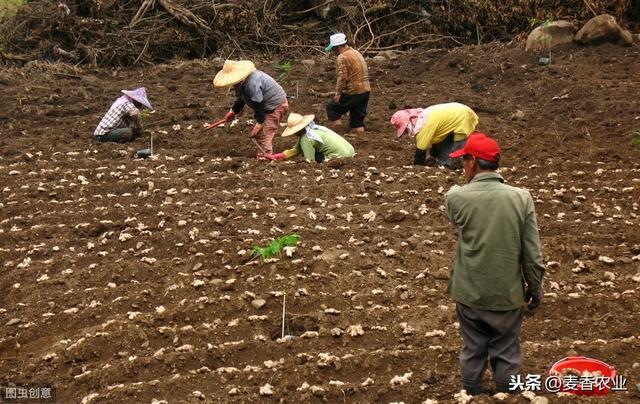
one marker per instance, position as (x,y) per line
(480,146)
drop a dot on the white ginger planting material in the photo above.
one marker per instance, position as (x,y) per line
(355,330)
(401,380)
(266,390)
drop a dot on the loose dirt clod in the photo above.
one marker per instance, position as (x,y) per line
(258,303)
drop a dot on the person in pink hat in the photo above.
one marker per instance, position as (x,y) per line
(122,122)
(440,129)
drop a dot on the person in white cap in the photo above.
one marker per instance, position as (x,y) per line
(352,84)
(315,142)
(262,93)
(122,122)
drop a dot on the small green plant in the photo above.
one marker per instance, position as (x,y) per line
(546,36)
(636,138)
(275,249)
(283,68)
(144,114)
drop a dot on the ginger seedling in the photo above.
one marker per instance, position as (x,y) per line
(636,138)
(546,36)
(276,248)
(284,69)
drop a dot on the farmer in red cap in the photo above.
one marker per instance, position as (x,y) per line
(122,122)
(498,265)
(440,128)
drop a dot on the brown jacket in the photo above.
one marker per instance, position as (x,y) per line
(353,75)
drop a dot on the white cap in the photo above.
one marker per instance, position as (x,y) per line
(336,40)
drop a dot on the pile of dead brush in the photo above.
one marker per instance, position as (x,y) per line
(124,32)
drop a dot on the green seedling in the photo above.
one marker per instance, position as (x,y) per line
(546,38)
(636,138)
(275,249)
(283,68)
(144,114)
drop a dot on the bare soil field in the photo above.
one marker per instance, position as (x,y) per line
(127,280)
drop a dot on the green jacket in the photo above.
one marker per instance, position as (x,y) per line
(498,247)
(334,146)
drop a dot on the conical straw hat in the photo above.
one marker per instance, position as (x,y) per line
(296,123)
(233,72)
(140,95)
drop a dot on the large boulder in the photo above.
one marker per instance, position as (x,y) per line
(553,33)
(603,28)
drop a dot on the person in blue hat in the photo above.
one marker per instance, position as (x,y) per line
(122,122)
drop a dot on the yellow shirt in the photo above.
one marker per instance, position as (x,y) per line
(443,119)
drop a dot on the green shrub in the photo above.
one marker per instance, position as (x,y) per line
(8,8)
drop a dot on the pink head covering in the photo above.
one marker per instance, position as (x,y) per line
(402,118)
(140,95)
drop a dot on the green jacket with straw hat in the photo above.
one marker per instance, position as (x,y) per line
(313,139)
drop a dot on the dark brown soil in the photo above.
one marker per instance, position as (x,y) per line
(93,242)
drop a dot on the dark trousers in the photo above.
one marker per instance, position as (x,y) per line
(440,151)
(492,334)
(120,135)
(355,105)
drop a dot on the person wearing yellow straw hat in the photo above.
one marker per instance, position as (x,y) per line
(315,142)
(122,122)
(262,93)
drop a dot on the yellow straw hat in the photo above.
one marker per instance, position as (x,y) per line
(233,72)
(296,123)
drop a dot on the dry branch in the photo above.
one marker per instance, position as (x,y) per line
(312,8)
(366,20)
(184,15)
(146,6)
(404,27)
(177,11)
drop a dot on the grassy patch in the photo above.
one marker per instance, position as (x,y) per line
(8,8)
